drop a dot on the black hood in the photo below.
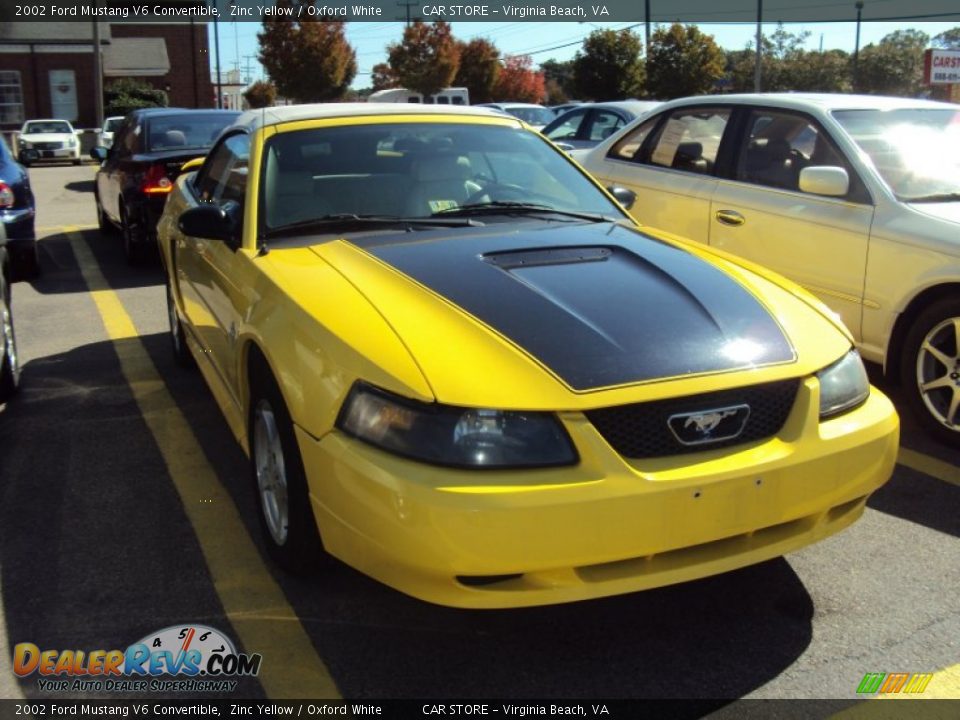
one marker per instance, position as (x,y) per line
(599,304)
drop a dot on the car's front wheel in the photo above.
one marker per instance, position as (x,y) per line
(930,369)
(10,368)
(279,480)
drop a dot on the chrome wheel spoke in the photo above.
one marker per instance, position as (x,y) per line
(271,472)
(954,406)
(941,382)
(947,361)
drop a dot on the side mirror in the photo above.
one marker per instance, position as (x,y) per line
(213,222)
(99,153)
(825,180)
(625,197)
(566,147)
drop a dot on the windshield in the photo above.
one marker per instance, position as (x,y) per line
(112,124)
(193,131)
(915,150)
(47,126)
(419,170)
(532,115)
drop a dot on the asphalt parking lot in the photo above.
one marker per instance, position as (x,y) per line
(125,508)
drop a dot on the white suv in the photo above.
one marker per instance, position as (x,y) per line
(857,198)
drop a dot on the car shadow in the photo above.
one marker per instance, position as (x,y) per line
(910,494)
(81,186)
(59,271)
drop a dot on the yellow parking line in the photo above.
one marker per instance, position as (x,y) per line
(929,466)
(254,603)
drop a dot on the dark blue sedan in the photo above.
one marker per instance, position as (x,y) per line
(17,213)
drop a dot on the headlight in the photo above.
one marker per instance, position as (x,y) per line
(453,436)
(24,145)
(843,385)
(72,142)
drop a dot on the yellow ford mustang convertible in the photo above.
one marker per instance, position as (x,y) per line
(460,367)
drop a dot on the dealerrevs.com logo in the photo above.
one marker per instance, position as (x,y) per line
(201,658)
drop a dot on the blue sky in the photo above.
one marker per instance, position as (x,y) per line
(238,41)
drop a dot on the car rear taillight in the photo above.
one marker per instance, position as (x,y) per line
(6,196)
(156,182)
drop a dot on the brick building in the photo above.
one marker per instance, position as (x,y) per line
(47,69)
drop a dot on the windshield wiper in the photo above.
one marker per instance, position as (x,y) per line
(352,220)
(933,198)
(507,207)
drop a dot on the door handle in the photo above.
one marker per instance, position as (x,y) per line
(730,217)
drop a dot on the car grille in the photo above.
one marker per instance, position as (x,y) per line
(641,430)
(48,146)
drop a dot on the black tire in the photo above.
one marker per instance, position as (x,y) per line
(930,370)
(78,162)
(25,261)
(10,367)
(133,245)
(103,222)
(178,338)
(275,459)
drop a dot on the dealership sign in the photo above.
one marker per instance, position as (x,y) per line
(941,67)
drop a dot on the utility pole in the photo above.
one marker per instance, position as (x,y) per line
(756,68)
(248,68)
(646,22)
(216,43)
(408,4)
(856,48)
(97,71)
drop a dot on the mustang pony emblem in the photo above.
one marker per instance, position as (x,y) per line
(709,426)
(707,422)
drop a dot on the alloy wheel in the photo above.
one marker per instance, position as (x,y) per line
(271,472)
(938,372)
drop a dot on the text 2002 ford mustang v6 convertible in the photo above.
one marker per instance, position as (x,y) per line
(454,358)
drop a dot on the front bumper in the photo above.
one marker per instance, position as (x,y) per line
(18,223)
(604,527)
(32,155)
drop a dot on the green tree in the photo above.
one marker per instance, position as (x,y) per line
(261,94)
(894,66)
(308,60)
(682,61)
(810,71)
(427,59)
(947,40)
(609,66)
(559,79)
(122,96)
(479,69)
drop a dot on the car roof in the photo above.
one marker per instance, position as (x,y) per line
(825,101)
(635,106)
(266,117)
(33,120)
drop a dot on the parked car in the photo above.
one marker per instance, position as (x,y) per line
(459,367)
(536,116)
(18,216)
(857,198)
(110,126)
(138,171)
(559,110)
(48,140)
(586,125)
(9,365)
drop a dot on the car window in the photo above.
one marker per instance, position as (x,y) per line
(193,131)
(128,142)
(112,124)
(415,170)
(778,145)
(567,130)
(628,148)
(47,126)
(224,175)
(603,124)
(689,140)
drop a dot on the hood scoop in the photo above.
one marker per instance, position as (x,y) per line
(548,256)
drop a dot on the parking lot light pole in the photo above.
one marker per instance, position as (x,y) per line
(756,68)
(856,46)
